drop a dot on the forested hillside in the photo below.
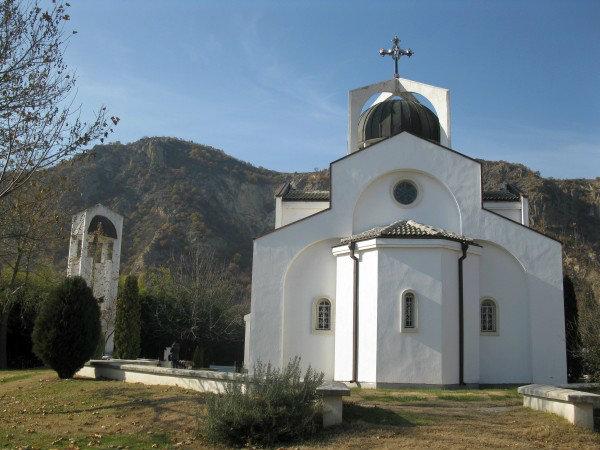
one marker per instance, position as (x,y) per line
(173,194)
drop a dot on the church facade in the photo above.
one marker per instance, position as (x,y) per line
(405,272)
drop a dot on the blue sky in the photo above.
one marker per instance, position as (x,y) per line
(267,82)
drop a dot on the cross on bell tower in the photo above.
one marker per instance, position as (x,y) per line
(396,52)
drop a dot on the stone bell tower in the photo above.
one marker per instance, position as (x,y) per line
(95,255)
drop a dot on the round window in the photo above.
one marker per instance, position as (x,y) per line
(405,192)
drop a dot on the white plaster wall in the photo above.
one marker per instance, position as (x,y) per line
(293,211)
(547,327)
(525,211)
(278,211)
(505,357)
(350,176)
(450,317)
(311,275)
(368,311)
(471,274)
(434,206)
(511,210)
(415,356)
(344,315)
(247,334)
(74,263)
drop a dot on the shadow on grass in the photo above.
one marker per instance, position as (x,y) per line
(121,397)
(462,398)
(361,420)
(375,415)
(394,398)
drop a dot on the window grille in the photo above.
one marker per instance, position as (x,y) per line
(409,310)
(488,316)
(323,314)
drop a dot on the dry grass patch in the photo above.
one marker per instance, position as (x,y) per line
(38,410)
(426,418)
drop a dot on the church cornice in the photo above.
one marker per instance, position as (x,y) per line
(381,243)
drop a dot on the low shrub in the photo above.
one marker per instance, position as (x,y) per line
(277,406)
(67,328)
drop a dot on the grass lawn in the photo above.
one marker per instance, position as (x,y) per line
(40,411)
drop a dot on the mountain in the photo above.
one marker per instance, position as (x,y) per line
(566,209)
(174,194)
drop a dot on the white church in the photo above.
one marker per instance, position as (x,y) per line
(405,272)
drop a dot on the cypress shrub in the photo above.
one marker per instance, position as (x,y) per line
(67,328)
(128,320)
(198,358)
(277,407)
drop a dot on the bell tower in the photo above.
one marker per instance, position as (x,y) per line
(95,255)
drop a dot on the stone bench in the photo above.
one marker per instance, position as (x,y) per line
(575,406)
(332,393)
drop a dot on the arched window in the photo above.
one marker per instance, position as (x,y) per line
(489,316)
(323,315)
(409,311)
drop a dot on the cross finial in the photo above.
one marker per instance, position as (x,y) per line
(396,52)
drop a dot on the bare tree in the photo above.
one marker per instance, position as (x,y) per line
(28,227)
(39,122)
(203,300)
(588,326)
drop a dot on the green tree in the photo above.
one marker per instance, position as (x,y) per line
(588,326)
(67,328)
(198,358)
(28,227)
(573,340)
(201,303)
(128,320)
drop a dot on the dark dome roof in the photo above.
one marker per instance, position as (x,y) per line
(395,115)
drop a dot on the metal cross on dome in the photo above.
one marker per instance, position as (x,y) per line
(396,52)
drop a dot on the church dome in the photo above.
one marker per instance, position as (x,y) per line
(395,115)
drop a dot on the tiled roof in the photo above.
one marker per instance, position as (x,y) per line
(508,193)
(500,196)
(306,196)
(290,194)
(407,229)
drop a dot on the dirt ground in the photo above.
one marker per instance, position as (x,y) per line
(37,410)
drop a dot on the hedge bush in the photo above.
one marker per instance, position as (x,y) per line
(128,320)
(67,328)
(198,358)
(278,406)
